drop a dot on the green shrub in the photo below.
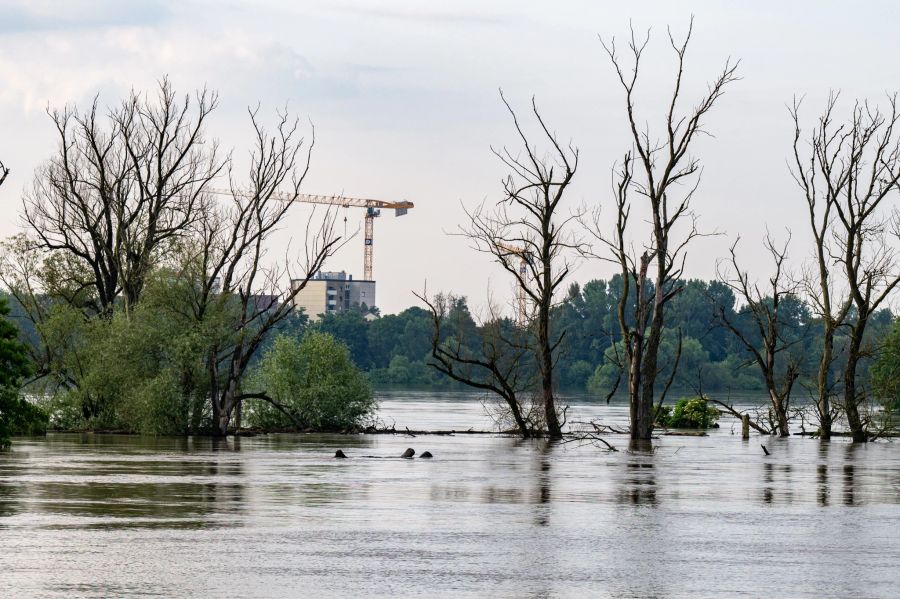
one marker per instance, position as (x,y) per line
(694,412)
(139,372)
(886,370)
(18,416)
(315,380)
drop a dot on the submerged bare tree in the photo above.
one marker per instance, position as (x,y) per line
(665,176)
(849,174)
(4,172)
(830,301)
(769,342)
(233,275)
(529,221)
(121,188)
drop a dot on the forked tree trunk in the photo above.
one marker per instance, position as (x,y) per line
(781,418)
(666,164)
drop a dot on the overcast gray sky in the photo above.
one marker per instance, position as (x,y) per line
(405,103)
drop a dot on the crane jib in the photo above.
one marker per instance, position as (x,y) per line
(372,210)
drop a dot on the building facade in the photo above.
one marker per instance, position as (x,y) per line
(331,292)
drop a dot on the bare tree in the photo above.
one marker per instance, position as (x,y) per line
(764,307)
(4,172)
(501,363)
(122,187)
(829,300)
(665,175)
(849,174)
(130,194)
(229,263)
(528,221)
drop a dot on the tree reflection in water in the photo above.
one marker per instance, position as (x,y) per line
(850,474)
(9,499)
(639,486)
(822,474)
(120,482)
(544,476)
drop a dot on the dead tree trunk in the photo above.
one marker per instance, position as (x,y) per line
(851,390)
(764,308)
(529,222)
(654,170)
(848,177)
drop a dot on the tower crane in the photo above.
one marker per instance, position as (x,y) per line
(373,210)
(523,254)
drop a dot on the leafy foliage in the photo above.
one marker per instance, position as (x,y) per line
(394,348)
(886,370)
(145,370)
(137,372)
(17,414)
(315,380)
(694,412)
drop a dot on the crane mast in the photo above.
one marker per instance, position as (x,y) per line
(373,210)
(371,213)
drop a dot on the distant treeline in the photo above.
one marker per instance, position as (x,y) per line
(395,349)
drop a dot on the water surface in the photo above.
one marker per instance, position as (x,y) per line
(277,516)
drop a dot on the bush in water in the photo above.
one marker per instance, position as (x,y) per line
(313,379)
(694,412)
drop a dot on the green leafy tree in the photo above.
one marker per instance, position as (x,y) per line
(607,376)
(886,369)
(17,415)
(140,372)
(577,373)
(310,384)
(351,328)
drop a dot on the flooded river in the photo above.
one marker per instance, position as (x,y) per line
(278,516)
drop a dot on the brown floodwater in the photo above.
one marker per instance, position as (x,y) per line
(489,516)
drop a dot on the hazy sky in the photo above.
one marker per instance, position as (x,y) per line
(404,97)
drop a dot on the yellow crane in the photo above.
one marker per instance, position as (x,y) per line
(373,210)
(523,254)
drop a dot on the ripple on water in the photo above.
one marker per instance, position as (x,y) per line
(277,516)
